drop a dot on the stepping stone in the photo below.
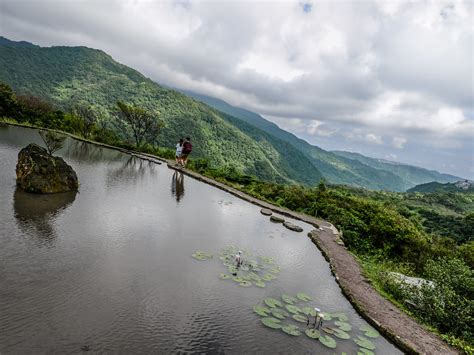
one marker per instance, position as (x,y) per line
(276,219)
(266,212)
(292,227)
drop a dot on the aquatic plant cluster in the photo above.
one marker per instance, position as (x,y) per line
(294,315)
(255,270)
(282,314)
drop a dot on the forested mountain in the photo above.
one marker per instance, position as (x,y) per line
(226,135)
(68,75)
(339,167)
(460,186)
(413,175)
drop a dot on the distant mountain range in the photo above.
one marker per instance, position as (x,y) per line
(224,134)
(460,186)
(337,166)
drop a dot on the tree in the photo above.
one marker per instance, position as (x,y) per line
(53,141)
(8,103)
(87,118)
(144,125)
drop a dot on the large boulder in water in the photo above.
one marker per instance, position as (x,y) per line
(39,172)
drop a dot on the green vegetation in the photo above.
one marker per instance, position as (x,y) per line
(53,141)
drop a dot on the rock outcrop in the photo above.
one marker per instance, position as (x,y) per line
(39,172)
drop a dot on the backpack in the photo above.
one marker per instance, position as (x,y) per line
(187,147)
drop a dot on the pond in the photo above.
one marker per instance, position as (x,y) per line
(110,268)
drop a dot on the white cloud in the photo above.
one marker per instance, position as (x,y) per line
(399,142)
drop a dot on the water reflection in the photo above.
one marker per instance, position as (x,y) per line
(79,150)
(177,185)
(37,212)
(132,169)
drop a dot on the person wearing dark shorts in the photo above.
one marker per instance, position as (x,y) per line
(187,149)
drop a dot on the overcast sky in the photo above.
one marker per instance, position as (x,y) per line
(388,79)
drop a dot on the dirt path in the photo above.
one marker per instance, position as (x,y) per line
(397,326)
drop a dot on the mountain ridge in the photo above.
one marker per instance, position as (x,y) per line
(327,160)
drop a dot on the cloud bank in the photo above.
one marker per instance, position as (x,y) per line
(384,78)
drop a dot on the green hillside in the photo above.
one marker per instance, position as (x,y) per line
(68,75)
(338,167)
(460,186)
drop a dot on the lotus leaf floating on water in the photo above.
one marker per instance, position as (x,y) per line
(309,311)
(341,334)
(271,322)
(300,318)
(271,302)
(312,333)
(343,326)
(293,309)
(364,343)
(363,351)
(304,297)
(326,340)
(261,311)
(288,299)
(369,331)
(291,330)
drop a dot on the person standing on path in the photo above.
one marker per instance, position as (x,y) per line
(187,149)
(179,151)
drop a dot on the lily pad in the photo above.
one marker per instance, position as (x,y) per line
(281,311)
(313,333)
(364,343)
(343,326)
(261,311)
(363,351)
(267,260)
(303,297)
(309,311)
(293,309)
(291,330)
(341,316)
(224,276)
(277,314)
(341,334)
(245,284)
(268,277)
(328,330)
(288,299)
(275,270)
(271,322)
(238,279)
(300,318)
(201,255)
(271,302)
(326,340)
(369,331)
(327,316)
(260,284)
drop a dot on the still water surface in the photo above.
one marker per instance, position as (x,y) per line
(110,267)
